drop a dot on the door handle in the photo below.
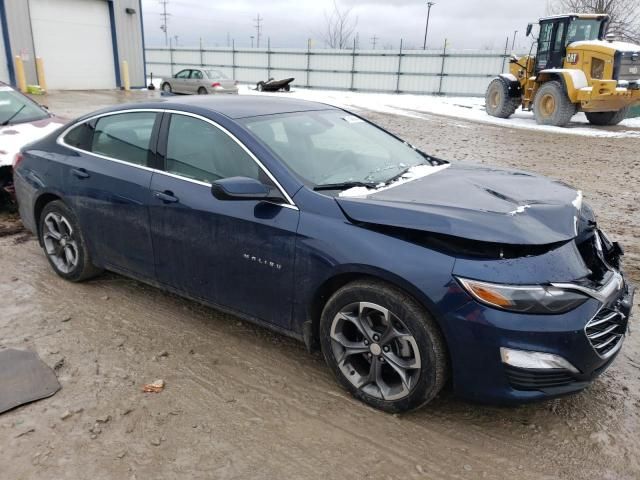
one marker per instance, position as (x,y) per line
(81,173)
(166,196)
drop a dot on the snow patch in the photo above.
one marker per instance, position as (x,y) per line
(414,173)
(578,77)
(520,209)
(578,200)
(464,108)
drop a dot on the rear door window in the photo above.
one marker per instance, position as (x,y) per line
(125,136)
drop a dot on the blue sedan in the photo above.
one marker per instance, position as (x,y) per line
(406,270)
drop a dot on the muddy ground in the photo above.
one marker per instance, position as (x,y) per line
(241,402)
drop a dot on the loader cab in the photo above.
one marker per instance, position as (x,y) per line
(557,32)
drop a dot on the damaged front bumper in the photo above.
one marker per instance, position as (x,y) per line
(576,347)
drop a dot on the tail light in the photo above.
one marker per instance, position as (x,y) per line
(17,159)
(216,85)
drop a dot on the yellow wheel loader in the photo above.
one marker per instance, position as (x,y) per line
(577,67)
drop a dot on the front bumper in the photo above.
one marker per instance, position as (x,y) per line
(479,372)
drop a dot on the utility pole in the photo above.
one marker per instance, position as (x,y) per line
(513,44)
(252,37)
(426,28)
(374,41)
(176,37)
(258,26)
(165,17)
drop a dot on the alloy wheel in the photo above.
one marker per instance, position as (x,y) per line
(59,242)
(375,351)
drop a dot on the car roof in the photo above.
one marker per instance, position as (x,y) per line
(242,106)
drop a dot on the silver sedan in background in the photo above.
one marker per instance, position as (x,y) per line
(201,81)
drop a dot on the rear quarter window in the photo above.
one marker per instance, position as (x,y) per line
(80,136)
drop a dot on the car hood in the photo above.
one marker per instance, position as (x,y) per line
(14,137)
(476,203)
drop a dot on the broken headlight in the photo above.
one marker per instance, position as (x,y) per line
(523,298)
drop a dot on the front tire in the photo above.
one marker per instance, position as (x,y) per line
(607,118)
(383,347)
(64,244)
(260,86)
(166,87)
(499,103)
(551,106)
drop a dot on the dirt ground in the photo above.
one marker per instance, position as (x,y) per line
(241,402)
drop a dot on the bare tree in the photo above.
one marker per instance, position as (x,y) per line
(625,14)
(339,27)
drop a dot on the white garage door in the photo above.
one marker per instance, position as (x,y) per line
(73,37)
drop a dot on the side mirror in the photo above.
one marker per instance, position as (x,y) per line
(242,188)
(529,28)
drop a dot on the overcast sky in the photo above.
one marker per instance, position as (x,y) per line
(465,23)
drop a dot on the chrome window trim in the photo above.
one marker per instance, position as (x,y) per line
(60,141)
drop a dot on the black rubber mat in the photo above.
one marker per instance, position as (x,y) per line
(24,378)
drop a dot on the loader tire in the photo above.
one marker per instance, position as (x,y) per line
(551,106)
(607,118)
(498,100)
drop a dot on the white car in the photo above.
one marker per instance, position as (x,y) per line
(22,121)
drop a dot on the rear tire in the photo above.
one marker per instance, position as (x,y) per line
(607,118)
(499,103)
(260,86)
(383,347)
(64,244)
(202,91)
(551,106)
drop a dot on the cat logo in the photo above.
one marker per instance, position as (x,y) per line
(572,58)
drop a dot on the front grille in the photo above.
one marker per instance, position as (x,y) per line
(538,378)
(606,330)
(628,66)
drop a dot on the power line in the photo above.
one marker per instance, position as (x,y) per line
(165,17)
(258,26)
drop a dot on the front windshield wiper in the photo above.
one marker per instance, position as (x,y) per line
(6,122)
(343,185)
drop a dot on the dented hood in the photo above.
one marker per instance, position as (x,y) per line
(477,203)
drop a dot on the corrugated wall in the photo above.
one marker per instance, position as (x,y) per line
(409,71)
(128,33)
(19,22)
(4,68)
(130,40)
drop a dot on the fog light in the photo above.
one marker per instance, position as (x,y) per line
(527,359)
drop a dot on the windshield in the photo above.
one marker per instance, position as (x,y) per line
(583,29)
(16,108)
(216,75)
(333,147)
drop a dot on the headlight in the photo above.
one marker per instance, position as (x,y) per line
(524,298)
